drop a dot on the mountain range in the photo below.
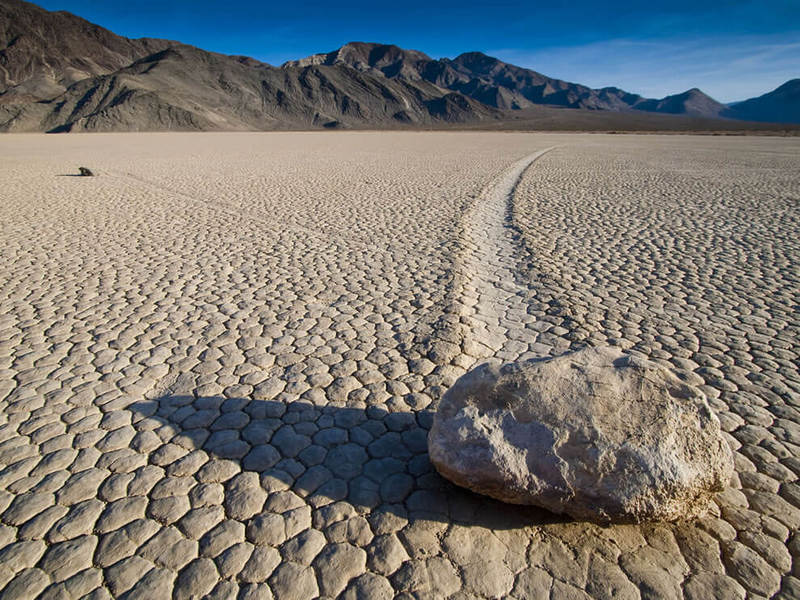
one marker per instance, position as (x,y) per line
(59,72)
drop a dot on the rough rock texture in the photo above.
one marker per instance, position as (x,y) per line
(595,434)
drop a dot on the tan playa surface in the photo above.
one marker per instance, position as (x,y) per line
(219,358)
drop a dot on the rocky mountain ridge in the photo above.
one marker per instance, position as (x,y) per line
(781,105)
(502,85)
(59,72)
(42,53)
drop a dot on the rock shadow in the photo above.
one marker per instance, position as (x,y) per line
(371,459)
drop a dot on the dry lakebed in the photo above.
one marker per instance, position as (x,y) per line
(221,355)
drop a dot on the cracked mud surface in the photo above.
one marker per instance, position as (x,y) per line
(220,357)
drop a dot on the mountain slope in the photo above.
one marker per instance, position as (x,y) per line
(225,93)
(387,59)
(505,86)
(42,53)
(59,72)
(693,103)
(473,74)
(781,105)
(509,87)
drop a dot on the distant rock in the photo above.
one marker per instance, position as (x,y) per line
(594,434)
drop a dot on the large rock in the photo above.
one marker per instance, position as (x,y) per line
(595,434)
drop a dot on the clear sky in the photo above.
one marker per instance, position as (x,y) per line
(730,49)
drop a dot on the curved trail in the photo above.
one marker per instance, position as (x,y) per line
(493,302)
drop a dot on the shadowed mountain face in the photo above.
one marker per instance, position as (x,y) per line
(183,88)
(507,86)
(473,74)
(692,102)
(226,94)
(42,53)
(59,72)
(781,105)
(501,85)
(389,60)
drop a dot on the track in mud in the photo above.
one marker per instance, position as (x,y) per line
(493,300)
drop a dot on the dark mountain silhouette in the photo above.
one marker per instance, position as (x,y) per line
(781,105)
(59,72)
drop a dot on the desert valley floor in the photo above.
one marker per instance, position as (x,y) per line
(220,357)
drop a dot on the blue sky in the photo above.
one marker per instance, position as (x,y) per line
(730,49)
